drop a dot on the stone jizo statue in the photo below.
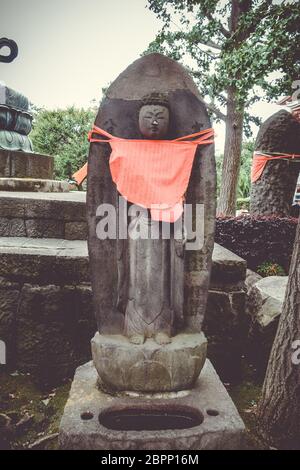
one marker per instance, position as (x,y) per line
(150,293)
(155,266)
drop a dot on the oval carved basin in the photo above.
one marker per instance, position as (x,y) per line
(156,418)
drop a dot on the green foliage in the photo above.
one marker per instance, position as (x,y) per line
(244,183)
(232,45)
(243,203)
(63,134)
(270,269)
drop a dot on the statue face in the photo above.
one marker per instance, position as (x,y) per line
(154,121)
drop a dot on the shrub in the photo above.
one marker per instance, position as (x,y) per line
(270,269)
(243,203)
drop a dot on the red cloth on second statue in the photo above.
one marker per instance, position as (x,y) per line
(153,173)
(261,159)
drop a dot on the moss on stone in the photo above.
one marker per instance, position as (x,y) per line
(21,397)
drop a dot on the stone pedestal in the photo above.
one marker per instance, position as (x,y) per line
(28,172)
(149,367)
(15,164)
(198,419)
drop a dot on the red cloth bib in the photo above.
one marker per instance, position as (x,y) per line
(153,173)
(261,159)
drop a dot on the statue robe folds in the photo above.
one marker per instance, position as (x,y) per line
(174,298)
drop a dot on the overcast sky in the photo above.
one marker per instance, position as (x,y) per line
(70,49)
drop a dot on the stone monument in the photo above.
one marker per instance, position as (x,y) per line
(150,293)
(278,143)
(21,169)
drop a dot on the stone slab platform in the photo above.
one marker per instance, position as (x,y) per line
(222,427)
(56,260)
(34,185)
(44,260)
(16,164)
(43,215)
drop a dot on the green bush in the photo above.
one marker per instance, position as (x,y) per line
(270,269)
(244,183)
(63,134)
(243,203)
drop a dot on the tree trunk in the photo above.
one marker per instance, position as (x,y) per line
(232,156)
(279,408)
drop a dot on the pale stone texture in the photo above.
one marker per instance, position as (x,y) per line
(223,431)
(265,299)
(263,306)
(149,367)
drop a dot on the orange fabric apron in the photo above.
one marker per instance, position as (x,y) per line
(152,173)
(261,159)
(81,174)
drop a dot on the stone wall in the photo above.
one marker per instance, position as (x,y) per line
(44,216)
(46,313)
(46,328)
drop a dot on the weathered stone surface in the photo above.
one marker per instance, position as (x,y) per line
(226,327)
(15,164)
(44,260)
(118,115)
(33,185)
(62,262)
(225,430)
(265,299)
(54,327)
(273,192)
(71,259)
(9,298)
(251,278)
(264,303)
(43,215)
(63,206)
(43,228)
(75,231)
(12,227)
(149,367)
(227,266)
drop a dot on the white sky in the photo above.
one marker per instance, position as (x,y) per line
(70,49)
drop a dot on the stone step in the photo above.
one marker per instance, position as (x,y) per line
(43,215)
(59,261)
(34,185)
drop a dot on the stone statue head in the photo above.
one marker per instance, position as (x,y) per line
(154,116)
